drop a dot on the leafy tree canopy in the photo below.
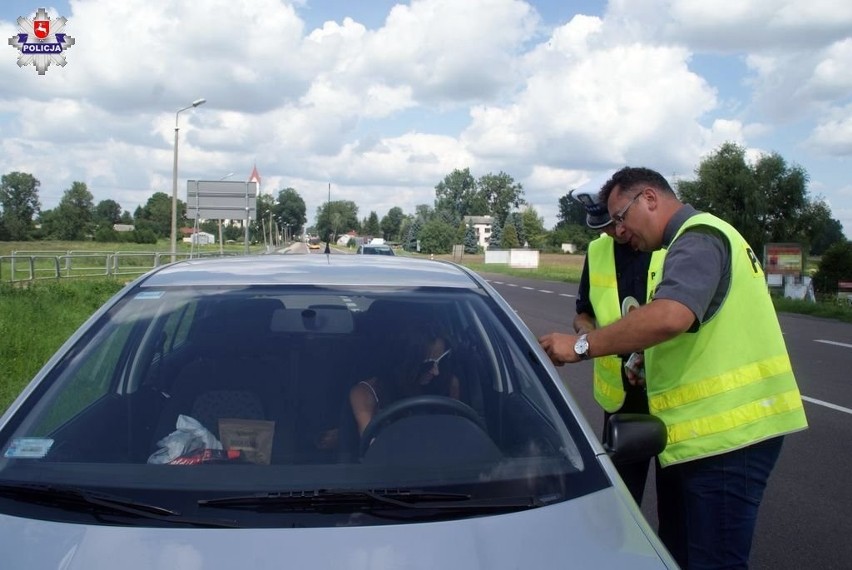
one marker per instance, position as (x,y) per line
(767,201)
(20,204)
(335,218)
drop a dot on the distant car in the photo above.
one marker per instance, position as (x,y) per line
(201,419)
(375,249)
(313,246)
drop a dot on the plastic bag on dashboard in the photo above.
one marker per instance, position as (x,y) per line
(189,438)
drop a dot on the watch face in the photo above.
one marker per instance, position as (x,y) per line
(581,347)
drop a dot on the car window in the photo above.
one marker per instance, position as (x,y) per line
(255,390)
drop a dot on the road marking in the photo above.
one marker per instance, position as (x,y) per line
(833,342)
(531,288)
(827,405)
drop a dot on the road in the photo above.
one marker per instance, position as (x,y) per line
(802,522)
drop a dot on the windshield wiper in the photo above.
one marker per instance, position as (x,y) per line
(346,499)
(75,498)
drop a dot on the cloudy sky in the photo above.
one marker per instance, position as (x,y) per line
(382,99)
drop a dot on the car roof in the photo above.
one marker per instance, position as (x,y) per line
(312,269)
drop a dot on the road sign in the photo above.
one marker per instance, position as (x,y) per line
(221,200)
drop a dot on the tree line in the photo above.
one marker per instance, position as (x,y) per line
(767,201)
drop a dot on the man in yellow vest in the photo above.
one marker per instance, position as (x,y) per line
(614,276)
(718,372)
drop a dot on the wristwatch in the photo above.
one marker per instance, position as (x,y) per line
(581,347)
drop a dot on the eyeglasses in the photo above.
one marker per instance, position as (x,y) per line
(430,363)
(618,218)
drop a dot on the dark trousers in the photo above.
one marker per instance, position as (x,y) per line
(707,508)
(634,475)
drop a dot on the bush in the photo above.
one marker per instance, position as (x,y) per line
(106,235)
(835,265)
(144,236)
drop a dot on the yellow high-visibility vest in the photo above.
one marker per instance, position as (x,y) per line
(603,295)
(730,384)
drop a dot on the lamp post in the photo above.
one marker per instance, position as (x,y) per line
(195,103)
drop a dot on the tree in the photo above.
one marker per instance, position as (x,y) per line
(261,226)
(499,194)
(495,240)
(290,210)
(819,229)
(835,266)
(456,197)
(515,219)
(509,238)
(422,213)
(471,245)
(19,200)
(437,236)
(533,225)
(766,201)
(157,211)
(391,224)
(336,218)
(571,212)
(107,213)
(73,218)
(371,227)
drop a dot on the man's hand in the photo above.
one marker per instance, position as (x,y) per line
(634,369)
(559,347)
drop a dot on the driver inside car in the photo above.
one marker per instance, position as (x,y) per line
(422,369)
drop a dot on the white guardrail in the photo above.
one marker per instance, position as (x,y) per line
(24,266)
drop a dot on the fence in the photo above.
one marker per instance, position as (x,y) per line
(24,266)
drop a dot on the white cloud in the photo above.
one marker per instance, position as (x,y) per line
(384,113)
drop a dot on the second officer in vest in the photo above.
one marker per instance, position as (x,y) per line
(614,276)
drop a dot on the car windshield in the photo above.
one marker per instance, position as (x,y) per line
(188,396)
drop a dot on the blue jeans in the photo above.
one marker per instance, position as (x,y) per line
(707,508)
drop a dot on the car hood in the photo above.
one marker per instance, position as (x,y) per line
(596,531)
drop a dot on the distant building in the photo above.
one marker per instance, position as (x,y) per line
(343,240)
(123,227)
(482,227)
(200,238)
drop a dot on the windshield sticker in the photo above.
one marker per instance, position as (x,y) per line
(29,447)
(149,295)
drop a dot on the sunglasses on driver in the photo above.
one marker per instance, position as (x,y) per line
(430,363)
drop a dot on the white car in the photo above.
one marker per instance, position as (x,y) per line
(203,419)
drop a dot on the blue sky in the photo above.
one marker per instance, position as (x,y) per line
(383,99)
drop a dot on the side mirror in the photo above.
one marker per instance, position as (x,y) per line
(634,437)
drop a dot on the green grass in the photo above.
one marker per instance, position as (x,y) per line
(827,308)
(36,320)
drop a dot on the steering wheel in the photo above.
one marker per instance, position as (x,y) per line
(416,405)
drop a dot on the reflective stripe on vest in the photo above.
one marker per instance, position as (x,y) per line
(730,384)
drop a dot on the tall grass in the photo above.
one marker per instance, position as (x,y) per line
(36,320)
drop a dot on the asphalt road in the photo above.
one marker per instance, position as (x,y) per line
(802,521)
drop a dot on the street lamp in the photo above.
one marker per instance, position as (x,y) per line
(195,103)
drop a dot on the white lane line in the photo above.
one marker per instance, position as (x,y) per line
(827,405)
(512,284)
(566,295)
(833,342)
(544,291)
(529,288)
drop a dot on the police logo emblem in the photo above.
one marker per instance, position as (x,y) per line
(41,41)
